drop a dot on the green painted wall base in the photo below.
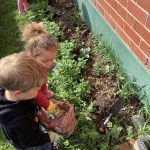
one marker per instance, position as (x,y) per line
(129,62)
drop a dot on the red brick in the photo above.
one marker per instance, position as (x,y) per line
(145,4)
(129,19)
(109,20)
(123,2)
(148,22)
(121,11)
(112,3)
(136,50)
(117,18)
(100,8)
(141,30)
(104,5)
(137,11)
(145,48)
(122,34)
(130,32)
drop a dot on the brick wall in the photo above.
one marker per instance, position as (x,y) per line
(131,20)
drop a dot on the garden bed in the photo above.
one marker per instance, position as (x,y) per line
(107,82)
(89,77)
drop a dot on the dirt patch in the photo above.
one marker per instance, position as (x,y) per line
(104,85)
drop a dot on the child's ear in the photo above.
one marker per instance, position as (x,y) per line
(17,92)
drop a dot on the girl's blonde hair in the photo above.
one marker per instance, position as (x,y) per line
(36,39)
(20,72)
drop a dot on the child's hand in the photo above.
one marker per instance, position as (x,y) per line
(67,122)
(55,110)
(54,136)
(51,108)
(60,104)
(43,117)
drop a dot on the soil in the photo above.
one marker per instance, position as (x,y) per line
(103,86)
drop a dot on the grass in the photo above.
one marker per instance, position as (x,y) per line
(9,29)
(10,41)
(11,23)
(3,143)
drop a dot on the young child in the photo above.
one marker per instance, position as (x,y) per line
(20,79)
(23,6)
(43,49)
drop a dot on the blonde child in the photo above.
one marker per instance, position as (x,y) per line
(20,79)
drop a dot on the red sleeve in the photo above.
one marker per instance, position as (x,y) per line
(42,101)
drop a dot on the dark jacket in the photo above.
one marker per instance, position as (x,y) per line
(17,120)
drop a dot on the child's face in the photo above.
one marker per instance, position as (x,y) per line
(46,58)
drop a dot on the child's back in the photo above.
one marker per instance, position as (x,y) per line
(20,80)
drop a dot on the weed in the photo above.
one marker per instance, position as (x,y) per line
(145,112)
(104,53)
(97,66)
(130,132)
(126,87)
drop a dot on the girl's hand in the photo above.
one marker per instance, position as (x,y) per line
(43,117)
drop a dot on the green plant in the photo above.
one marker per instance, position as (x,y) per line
(115,130)
(130,133)
(145,112)
(100,47)
(52,28)
(3,143)
(77,15)
(38,11)
(71,87)
(88,137)
(85,52)
(126,87)
(102,51)
(97,66)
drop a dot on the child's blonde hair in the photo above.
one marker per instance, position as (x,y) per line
(20,72)
(36,39)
